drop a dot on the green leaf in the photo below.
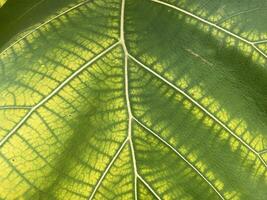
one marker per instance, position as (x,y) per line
(17,16)
(135,99)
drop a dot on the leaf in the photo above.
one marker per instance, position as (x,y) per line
(16,16)
(2,2)
(136,99)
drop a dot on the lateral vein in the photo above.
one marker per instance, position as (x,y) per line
(180,155)
(14,107)
(43,24)
(107,169)
(211,24)
(148,186)
(57,89)
(199,106)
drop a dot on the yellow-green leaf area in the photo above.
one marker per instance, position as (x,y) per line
(2,2)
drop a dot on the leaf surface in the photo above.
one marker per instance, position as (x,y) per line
(135,99)
(2,2)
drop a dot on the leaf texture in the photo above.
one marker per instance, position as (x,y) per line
(135,99)
(2,2)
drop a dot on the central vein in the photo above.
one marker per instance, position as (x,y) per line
(130,116)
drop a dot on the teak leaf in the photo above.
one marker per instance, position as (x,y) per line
(134,99)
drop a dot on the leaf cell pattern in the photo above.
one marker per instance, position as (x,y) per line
(137,99)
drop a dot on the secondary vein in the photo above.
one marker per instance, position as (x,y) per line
(181,156)
(253,44)
(43,24)
(199,106)
(55,91)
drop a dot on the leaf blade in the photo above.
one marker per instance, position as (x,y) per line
(118,108)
